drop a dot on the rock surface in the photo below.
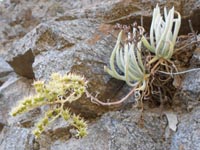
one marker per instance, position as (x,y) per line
(11,139)
(5,70)
(28,14)
(121,130)
(188,134)
(12,90)
(40,37)
(67,46)
(189,95)
(130,131)
(191,83)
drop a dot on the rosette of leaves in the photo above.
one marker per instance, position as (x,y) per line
(126,63)
(163,34)
(58,91)
(128,60)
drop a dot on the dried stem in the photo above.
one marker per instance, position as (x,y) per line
(95,100)
(178,73)
(192,29)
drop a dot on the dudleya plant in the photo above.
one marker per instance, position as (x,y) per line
(128,59)
(126,63)
(163,34)
(128,56)
(56,93)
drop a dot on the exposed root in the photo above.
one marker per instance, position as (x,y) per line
(178,73)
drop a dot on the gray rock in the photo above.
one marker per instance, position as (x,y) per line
(109,12)
(191,83)
(126,12)
(5,70)
(188,135)
(12,91)
(129,131)
(14,138)
(15,26)
(28,14)
(76,40)
(25,17)
(60,43)
(120,131)
(79,46)
(192,80)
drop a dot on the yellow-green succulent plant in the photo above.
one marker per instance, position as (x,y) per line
(57,92)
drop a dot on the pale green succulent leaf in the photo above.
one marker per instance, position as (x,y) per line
(120,60)
(111,73)
(113,56)
(162,31)
(147,44)
(177,27)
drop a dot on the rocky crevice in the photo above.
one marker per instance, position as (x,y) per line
(25,61)
(73,37)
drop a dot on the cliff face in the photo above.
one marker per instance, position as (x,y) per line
(40,37)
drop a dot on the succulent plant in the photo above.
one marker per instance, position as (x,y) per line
(57,92)
(128,60)
(163,33)
(128,63)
